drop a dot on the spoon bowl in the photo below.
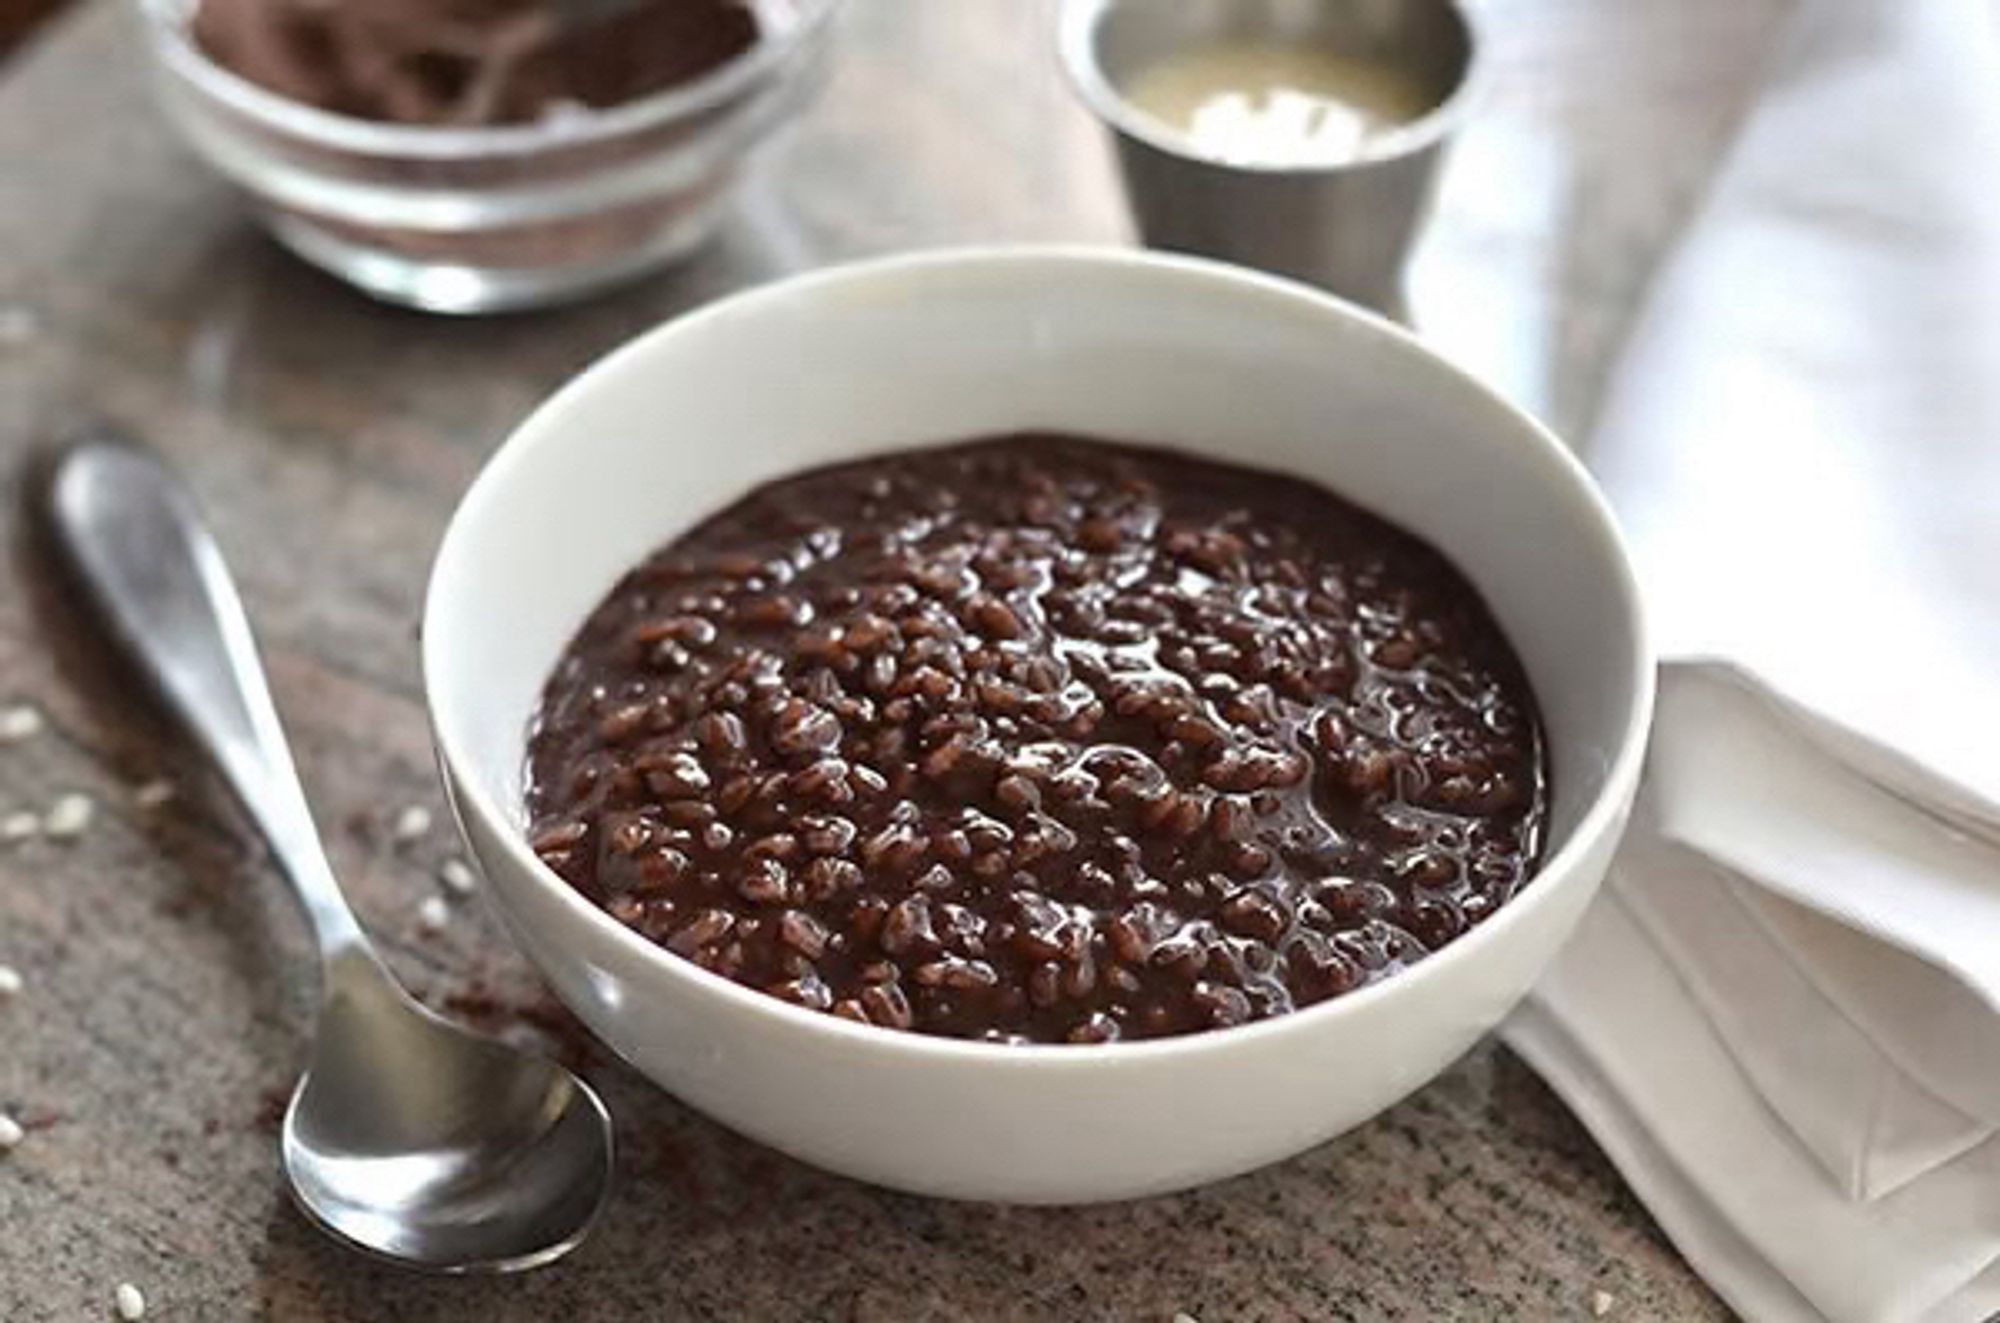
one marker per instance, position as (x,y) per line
(415,1141)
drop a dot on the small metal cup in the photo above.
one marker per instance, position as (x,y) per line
(1346,226)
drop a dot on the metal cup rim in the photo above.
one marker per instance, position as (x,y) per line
(1076,28)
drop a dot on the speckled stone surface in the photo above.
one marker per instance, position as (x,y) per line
(164,1001)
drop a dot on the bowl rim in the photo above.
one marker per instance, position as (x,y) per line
(1614,795)
(1077,25)
(177,51)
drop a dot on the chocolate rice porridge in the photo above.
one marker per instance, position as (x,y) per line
(1042,739)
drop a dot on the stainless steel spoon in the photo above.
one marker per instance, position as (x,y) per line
(408,1137)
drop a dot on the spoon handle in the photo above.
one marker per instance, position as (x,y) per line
(137,540)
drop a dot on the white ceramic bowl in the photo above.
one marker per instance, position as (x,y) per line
(898,353)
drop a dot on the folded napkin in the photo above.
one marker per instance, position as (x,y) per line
(1783,1019)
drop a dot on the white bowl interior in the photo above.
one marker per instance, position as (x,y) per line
(892,355)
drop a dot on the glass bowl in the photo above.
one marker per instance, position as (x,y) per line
(469,220)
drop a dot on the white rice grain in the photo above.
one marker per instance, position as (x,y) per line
(457,877)
(411,824)
(19,723)
(433,914)
(154,794)
(68,817)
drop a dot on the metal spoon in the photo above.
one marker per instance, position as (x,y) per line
(408,1137)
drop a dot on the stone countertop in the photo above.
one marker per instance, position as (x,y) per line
(164,997)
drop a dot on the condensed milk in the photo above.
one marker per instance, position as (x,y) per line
(1264,102)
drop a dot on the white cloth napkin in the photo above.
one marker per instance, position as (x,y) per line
(1783,1019)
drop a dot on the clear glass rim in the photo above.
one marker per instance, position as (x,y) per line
(165,18)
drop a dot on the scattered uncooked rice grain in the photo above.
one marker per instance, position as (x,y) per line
(1601,1302)
(19,826)
(131,1304)
(10,1132)
(457,877)
(19,723)
(1186,1318)
(68,817)
(433,914)
(10,982)
(154,794)
(411,824)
